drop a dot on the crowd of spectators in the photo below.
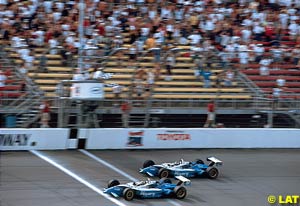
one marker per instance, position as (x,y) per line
(241,31)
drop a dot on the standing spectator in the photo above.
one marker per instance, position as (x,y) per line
(276,96)
(117,90)
(170,63)
(229,75)
(258,51)
(98,75)
(264,66)
(2,79)
(125,108)
(157,69)
(23,69)
(210,121)
(79,76)
(206,76)
(45,114)
(296,55)
(243,56)
(280,82)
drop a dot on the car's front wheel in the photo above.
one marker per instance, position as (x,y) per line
(212,172)
(199,161)
(128,194)
(112,183)
(148,163)
(180,192)
(163,173)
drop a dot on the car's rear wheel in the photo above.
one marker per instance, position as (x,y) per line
(212,172)
(165,180)
(180,192)
(112,183)
(128,194)
(163,173)
(199,161)
(148,163)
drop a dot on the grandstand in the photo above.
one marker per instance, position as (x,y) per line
(176,100)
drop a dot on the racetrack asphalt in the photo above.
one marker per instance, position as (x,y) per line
(246,178)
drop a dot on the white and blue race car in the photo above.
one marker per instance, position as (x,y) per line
(148,189)
(187,169)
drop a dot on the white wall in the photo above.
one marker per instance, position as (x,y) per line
(190,138)
(27,139)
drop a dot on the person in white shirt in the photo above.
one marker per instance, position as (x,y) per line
(79,76)
(258,51)
(246,34)
(243,56)
(258,31)
(283,19)
(23,69)
(280,82)
(264,66)
(2,79)
(53,43)
(98,75)
(117,90)
(229,76)
(195,38)
(293,29)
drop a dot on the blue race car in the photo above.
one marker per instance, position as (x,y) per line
(148,189)
(183,168)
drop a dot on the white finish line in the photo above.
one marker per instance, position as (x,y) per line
(112,167)
(76,177)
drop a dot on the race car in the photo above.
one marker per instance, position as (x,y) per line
(148,189)
(183,168)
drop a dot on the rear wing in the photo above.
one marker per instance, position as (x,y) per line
(183,180)
(214,161)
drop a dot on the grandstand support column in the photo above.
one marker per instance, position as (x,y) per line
(79,118)
(81,7)
(61,113)
(270,115)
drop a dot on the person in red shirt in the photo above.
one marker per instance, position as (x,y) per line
(210,121)
(125,108)
(269,31)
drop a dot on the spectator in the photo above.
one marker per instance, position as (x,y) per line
(117,91)
(23,69)
(206,76)
(157,69)
(296,55)
(2,79)
(45,114)
(210,121)
(98,75)
(264,66)
(125,108)
(79,75)
(219,80)
(280,82)
(170,63)
(229,76)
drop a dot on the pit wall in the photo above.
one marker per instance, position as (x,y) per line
(138,138)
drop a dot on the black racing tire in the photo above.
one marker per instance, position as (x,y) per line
(112,183)
(212,172)
(165,180)
(199,161)
(148,163)
(163,173)
(180,192)
(128,194)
